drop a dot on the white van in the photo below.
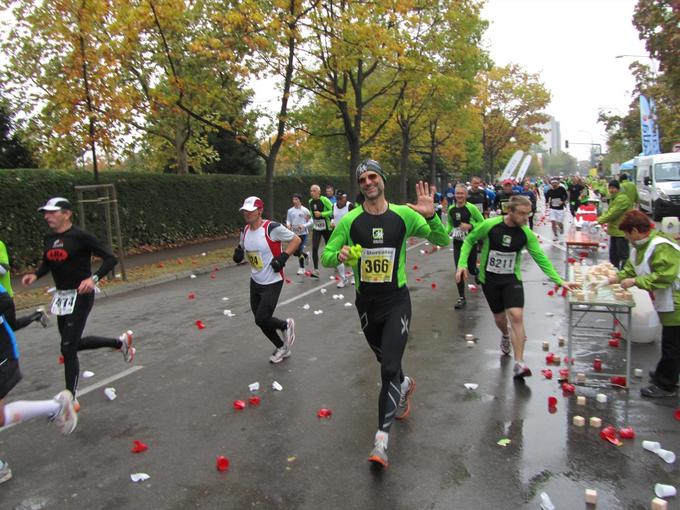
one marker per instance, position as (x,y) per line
(658,184)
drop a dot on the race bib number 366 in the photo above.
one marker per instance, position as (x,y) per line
(501,262)
(377,265)
(63,302)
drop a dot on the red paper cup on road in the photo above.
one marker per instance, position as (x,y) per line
(564,373)
(254,400)
(568,388)
(597,364)
(434,286)
(138,446)
(551,292)
(191,295)
(618,380)
(552,401)
(677,414)
(61,359)
(616,334)
(547,373)
(613,342)
(324,413)
(550,358)
(200,325)
(415,267)
(627,433)
(239,405)
(222,463)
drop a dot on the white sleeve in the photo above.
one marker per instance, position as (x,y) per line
(281,233)
(289,219)
(309,221)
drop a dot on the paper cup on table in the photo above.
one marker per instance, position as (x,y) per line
(667,455)
(651,446)
(664,491)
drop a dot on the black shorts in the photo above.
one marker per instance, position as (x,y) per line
(503,296)
(9,375)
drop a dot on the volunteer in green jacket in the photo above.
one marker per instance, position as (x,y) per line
(654,266)
(500,272)
(372,239)
(462,218)
(322,214)
(619,204)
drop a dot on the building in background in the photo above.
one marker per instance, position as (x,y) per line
(552,138)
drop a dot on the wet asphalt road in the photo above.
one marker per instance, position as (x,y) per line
(178,400)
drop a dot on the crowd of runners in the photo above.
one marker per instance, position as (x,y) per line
(365,243)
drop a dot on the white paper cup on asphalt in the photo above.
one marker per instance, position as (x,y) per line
(110,393)
(664,491)
(651,446)
(667,455)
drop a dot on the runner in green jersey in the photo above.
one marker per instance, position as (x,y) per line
(500,272)
(379,230)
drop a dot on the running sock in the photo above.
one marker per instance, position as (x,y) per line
(381,437)
(405,384)
(22,410)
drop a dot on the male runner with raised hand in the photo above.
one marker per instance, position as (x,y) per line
(58,409)
(68,253)
(462,218)
(379,230)
(500,272)
(322,211)
(260,245)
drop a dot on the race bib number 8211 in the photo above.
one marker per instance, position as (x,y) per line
(501,262)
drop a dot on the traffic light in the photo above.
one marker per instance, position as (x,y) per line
(566,144)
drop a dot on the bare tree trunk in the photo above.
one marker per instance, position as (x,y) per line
(181,137)
(403,161)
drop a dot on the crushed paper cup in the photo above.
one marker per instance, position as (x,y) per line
(504,442)
(221,463)
(627,433)
(347,305)
(277,386)
(225,299)
(305,306)
(318,312)
(239,405)
(199,324)
(323,291)
(254,386)
(549,314)
(324,413)
(138,446)
(471,386)
(547,373)
(677,414)
(193,276)
(139,477)
(87,374)
(191,295)
(609,434)
(341,296)
(254,400)
(110,393)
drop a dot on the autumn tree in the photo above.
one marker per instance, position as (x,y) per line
(510,102)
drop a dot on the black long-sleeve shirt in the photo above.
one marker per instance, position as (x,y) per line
(68,256)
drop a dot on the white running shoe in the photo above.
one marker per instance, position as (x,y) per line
(300,271)
(341,283)
(67,418)
(279,354)
(127,349)
(44,318)
(520,370)
(289,334)
(379,453)
(505,345)
(5,472)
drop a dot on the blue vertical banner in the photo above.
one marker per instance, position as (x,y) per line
(649,126)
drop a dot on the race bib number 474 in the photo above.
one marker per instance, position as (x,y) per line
(377,265)
(63,302)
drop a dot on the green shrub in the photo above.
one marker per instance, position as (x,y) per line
(154,209)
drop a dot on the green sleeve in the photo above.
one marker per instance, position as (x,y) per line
(327,207)
(5,280)
(616,209)
(433,230)
(539,257)
(4,258)
(628,271)
(339,238)
(664,263)
(476,216)
(473,237)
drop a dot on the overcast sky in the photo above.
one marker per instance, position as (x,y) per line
(572,44)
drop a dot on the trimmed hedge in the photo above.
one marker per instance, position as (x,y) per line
(155,209)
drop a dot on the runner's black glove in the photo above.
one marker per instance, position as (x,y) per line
(239,254)
(279,262)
